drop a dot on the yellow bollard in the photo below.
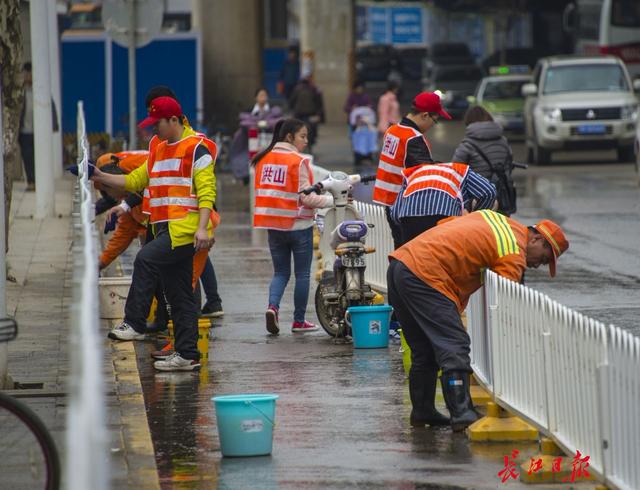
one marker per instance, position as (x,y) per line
(204,325)
(498,425)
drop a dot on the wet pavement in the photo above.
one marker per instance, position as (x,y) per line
(342,416)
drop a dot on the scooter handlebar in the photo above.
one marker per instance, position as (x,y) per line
(520,165)
(367,179)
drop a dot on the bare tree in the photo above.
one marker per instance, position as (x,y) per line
(12,94)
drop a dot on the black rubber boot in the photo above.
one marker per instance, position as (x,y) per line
(422,389)
(457,395)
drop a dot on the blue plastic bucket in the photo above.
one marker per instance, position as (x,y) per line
(245,424)
(370,326)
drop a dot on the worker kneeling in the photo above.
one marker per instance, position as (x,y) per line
(429,283)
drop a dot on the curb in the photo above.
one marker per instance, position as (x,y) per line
(142,472)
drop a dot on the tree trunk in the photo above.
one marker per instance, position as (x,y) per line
(12,95)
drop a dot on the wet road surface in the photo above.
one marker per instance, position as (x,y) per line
(342,416)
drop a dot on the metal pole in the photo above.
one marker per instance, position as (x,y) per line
(133,144)
(3,264)
(38,12)
(54,61)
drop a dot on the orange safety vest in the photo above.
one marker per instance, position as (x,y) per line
(153,143)
(170,189)
(392,161)
(446,177)
(277,203)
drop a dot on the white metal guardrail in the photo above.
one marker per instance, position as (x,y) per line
(87,458)
(573,377)
(380,238)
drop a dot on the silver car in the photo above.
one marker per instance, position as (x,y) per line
(578,103)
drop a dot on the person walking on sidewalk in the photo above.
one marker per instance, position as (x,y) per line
(404,146)
(181,192)
(282,171)
(389,108)
(430,280)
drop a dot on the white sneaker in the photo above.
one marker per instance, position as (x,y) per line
(176,362)
(124,331)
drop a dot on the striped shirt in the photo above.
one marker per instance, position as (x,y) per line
(430,202)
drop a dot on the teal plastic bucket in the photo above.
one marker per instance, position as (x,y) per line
(245,424)
(370,326)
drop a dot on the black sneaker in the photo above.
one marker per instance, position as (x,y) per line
(212,311)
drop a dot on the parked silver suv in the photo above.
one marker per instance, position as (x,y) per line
(577,103)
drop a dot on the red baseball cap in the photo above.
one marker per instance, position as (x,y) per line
(430,102)
(553,234)
(161,108)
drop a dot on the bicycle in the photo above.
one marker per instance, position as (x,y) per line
(28,454)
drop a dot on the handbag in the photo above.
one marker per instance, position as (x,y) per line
(505,189)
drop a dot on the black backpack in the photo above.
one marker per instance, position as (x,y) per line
(505,189)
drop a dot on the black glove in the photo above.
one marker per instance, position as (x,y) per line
(110,224)
(74,169)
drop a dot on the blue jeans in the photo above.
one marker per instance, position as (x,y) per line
(282,245)
(210,284)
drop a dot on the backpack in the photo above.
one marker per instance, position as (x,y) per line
(505,189)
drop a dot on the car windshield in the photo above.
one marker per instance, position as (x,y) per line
(589,78)
(505,89)
(458,74)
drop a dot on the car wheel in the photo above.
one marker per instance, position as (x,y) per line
(625,154)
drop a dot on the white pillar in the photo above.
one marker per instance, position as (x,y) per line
(54,62)
(43,142)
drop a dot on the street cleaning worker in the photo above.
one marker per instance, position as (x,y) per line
(179,178)
(430,280)
(431,192)
(404,146)
(282,171)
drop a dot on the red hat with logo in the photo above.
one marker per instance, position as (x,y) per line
(161,108)
(553,234)
(430,102)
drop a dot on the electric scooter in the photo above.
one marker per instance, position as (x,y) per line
(342,245)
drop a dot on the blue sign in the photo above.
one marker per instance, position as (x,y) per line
(378,25)
(406,25)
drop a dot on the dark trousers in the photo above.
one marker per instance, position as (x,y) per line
(26,147)
(412,226)
(210,284)
(174,268)
(396,233)
(430,322)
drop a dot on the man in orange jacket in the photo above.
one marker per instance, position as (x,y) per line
(430,280)
(131,224)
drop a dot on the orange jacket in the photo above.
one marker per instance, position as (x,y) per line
(451,257)
(127,230)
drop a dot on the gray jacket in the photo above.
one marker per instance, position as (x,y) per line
(488,136)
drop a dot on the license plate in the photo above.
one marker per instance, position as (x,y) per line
(353,261)
(592,129)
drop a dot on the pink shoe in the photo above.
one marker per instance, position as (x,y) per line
(304,327)
(273,325)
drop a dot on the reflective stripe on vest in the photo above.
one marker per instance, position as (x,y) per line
(506,242)
(277,203)
(153,144)
(392,160)
(445,177)
(169,194)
